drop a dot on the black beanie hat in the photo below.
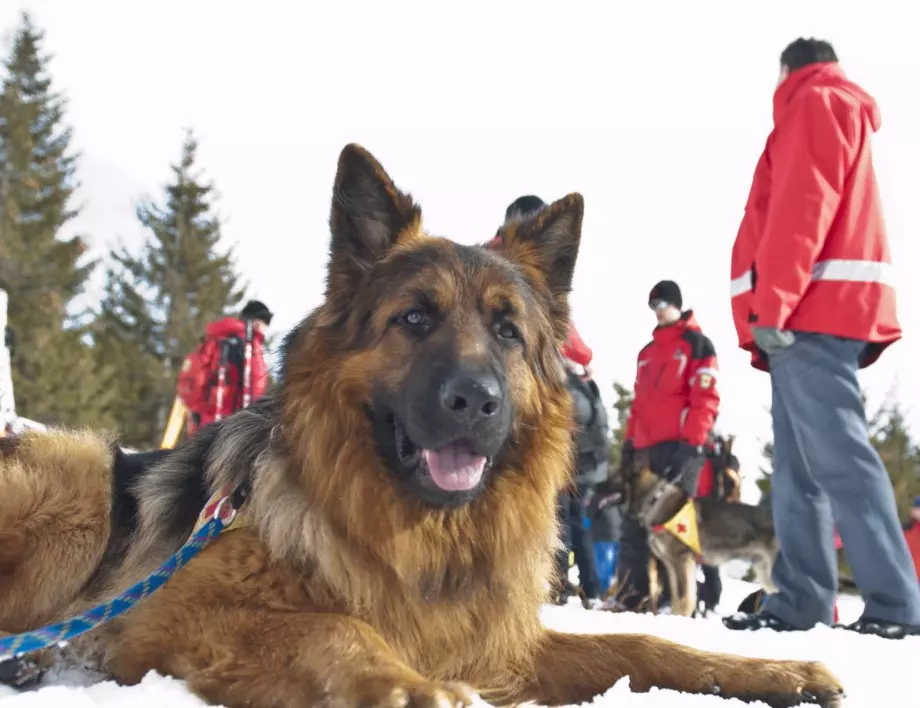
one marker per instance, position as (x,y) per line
(668,291)
(524,206)
(256,310)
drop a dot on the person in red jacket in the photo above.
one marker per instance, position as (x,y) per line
(675,403)
(813,303)
(199,385)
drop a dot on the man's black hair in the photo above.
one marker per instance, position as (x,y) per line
(803,52)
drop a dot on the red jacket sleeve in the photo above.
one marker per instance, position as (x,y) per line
(704,396)
(810,157)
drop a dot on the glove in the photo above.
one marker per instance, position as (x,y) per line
(772,340)
(686,462)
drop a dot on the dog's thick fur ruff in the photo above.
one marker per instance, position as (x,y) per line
(342,587)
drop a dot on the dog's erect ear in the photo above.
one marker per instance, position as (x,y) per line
(546,245)
(369,214)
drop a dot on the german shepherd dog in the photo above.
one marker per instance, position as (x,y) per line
(399,535)
(728,530)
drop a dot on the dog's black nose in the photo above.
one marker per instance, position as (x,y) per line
(472,398)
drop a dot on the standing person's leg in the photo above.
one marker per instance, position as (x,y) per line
(805,571)
(853,476)
(822,461)
(583,546)
(632,565)
(712,582)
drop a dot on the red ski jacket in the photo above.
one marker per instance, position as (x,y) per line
(676,397)
(811,253)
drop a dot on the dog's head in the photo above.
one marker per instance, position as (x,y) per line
(642,494)
(441,359)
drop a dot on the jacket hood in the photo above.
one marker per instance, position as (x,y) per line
(829,75)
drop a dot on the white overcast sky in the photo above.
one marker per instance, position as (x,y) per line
(657,116)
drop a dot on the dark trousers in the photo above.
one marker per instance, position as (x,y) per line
(826,473)
(577,538)
(711,590)
(632,568)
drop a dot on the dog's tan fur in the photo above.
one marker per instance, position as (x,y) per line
(340,589)
(54,522)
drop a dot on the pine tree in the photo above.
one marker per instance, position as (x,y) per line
(54,375)
(624,399)
(899,453)
(158,301)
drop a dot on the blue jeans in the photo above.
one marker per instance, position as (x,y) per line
(826,473)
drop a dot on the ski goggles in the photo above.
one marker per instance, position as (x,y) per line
(657,305)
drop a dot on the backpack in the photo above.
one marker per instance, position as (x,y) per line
(726,469)
(592,439)
(199,373)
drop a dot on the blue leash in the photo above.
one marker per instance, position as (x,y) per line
(218,515)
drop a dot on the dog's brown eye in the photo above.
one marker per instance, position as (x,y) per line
(506,330)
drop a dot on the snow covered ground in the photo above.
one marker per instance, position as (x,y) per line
(876,672)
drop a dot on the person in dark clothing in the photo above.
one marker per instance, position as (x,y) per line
(592,442)
(592,445)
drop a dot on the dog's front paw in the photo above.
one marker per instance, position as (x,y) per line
(782,684)
(22,672)
(424,694)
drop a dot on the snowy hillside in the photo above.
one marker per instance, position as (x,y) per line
(875,672)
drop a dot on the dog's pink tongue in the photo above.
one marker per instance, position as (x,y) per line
(454,468)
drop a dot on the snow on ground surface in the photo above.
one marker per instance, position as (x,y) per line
(875,672)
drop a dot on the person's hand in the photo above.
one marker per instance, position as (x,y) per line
(772,340)
(685,457)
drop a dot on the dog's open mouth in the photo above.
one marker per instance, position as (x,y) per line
(455,467)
